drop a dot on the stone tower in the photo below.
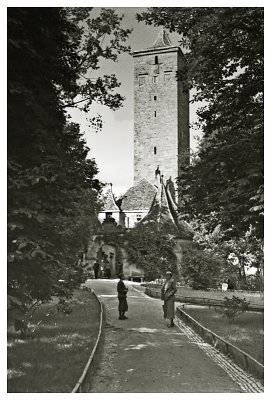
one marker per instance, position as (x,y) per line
(161,111)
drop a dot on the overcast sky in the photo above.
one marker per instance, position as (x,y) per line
(112,148)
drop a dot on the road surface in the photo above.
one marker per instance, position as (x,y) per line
(141,354)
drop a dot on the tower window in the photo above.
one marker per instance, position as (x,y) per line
(167,76)
(156,60)
(142,79)
(155,113)
(154,150)
(154,79)
(154,97)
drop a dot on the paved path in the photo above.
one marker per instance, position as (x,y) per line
(142,354)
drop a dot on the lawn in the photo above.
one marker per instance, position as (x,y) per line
(53,360)
(255,298)
(247,333)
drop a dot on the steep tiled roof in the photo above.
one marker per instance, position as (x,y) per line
(109,201)
(159,215)
(163,215)
(185,230)
(138,197)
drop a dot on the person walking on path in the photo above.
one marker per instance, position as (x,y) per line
(168,291)
(122,296)
(96,267)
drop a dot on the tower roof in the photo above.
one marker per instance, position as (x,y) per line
(162,39)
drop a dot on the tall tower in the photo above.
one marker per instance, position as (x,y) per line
(161,111)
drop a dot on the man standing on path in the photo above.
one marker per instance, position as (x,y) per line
(168,291)
(122,296)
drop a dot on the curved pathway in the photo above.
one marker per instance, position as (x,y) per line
(142,354)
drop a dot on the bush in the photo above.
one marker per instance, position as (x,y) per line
(201,270)
(252,283)
(234,307)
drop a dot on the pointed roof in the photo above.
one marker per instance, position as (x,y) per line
(159,215)
(109,201)
(164,217)
(138,197)
(185,230)
(162,39)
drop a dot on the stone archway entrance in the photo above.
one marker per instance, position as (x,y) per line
(106,256)
(113,257)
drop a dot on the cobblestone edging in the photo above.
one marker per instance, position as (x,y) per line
(218,344)
(242,358)
(77,388)
(247,383)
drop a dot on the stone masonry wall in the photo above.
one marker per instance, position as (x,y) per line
(161,115)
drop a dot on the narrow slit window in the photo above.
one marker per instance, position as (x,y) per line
(154,79)
(154,97)
(154,150)
(156,60)
(155,113)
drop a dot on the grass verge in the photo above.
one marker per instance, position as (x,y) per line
(255,298)
(54,359)
(247,333)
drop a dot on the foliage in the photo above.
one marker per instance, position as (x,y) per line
(201,269)
(244,252)
(92,39)
(52,190)
(152,250)
(254,283)
(239,254)
(234,307)
(224,52)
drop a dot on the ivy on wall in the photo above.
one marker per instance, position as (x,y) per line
(151,250)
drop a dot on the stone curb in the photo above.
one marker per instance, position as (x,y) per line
(78,387)
(241,357)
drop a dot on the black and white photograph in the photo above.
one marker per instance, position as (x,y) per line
(135,198)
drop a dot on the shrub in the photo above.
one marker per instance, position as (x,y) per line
(234,307)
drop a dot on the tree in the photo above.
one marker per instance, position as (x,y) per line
(238,254)
(52,190)
(201,269)
(224,52)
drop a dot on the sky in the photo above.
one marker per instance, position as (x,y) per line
(112,148)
